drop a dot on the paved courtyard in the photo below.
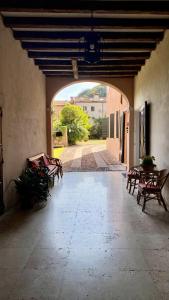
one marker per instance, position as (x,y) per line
(89,156)
(91,241)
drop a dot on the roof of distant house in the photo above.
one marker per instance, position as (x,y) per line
(85,100)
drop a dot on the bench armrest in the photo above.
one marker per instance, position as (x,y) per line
(54,161)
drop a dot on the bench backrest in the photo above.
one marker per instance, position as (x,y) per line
(36,158)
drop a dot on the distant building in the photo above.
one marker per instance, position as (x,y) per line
(57,106)
(95,106)
(118,125)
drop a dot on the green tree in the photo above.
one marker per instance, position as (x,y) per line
(100,89)
(96,129)
(77,122)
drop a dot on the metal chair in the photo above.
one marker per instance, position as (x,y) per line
(152,189)
(133,178)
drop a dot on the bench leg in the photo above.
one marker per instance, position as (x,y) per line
(60,171)
(163,202)
(144,203)
(53,180)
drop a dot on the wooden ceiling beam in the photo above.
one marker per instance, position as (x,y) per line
(100,23)
(147,7)
(110,55)
(135,62)
(52,33)
(80,46)
(94,72)
(75,68)
(75,36)
(91,68)
(90,74)
(89,77)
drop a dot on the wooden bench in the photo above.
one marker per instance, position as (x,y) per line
(54,165)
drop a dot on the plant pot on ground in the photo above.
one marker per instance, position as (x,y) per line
(33,186)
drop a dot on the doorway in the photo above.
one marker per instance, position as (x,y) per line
(100,103)
(124,136)
(1,166)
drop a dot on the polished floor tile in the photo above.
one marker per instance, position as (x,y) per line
(91,241)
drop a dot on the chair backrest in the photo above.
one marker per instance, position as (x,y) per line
(163,176)
(134,172)
(134,167)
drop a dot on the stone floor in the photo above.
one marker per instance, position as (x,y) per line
(91,241)
(89,156)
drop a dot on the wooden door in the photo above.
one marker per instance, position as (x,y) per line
(1,166)
(124,123)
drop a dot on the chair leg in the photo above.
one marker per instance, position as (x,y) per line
(127,184)
(61,171)
(134,187)
(163,202)
(144,204)
(130,185)
(138,197)
(158,198)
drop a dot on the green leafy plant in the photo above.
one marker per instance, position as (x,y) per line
(148,160)
(100,90)
(77,122)
(96,129)
(33,186)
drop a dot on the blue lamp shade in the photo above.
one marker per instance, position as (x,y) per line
(92,51)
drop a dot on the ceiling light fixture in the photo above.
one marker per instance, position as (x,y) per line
(92,44)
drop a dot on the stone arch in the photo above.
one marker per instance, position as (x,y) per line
(123,85)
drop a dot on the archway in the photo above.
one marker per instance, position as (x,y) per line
(121,85)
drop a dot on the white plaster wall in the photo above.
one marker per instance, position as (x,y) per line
(152,85)
(99,111)
(23,100)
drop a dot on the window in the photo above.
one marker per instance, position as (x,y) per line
(85,108)
(92,108)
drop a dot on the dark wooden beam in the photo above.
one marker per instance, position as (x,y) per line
(113,63)
(106,71)
(88,77)
(89,74)
(91,68)
(75,36)
(100,23)
(110,55)
(94,71)
(147,7)
(79,46)
(75,68)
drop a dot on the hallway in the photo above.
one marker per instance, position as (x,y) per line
(91,241)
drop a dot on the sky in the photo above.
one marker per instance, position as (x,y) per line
(73,90)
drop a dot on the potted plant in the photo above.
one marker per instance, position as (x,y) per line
(148,162)
(33,186)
